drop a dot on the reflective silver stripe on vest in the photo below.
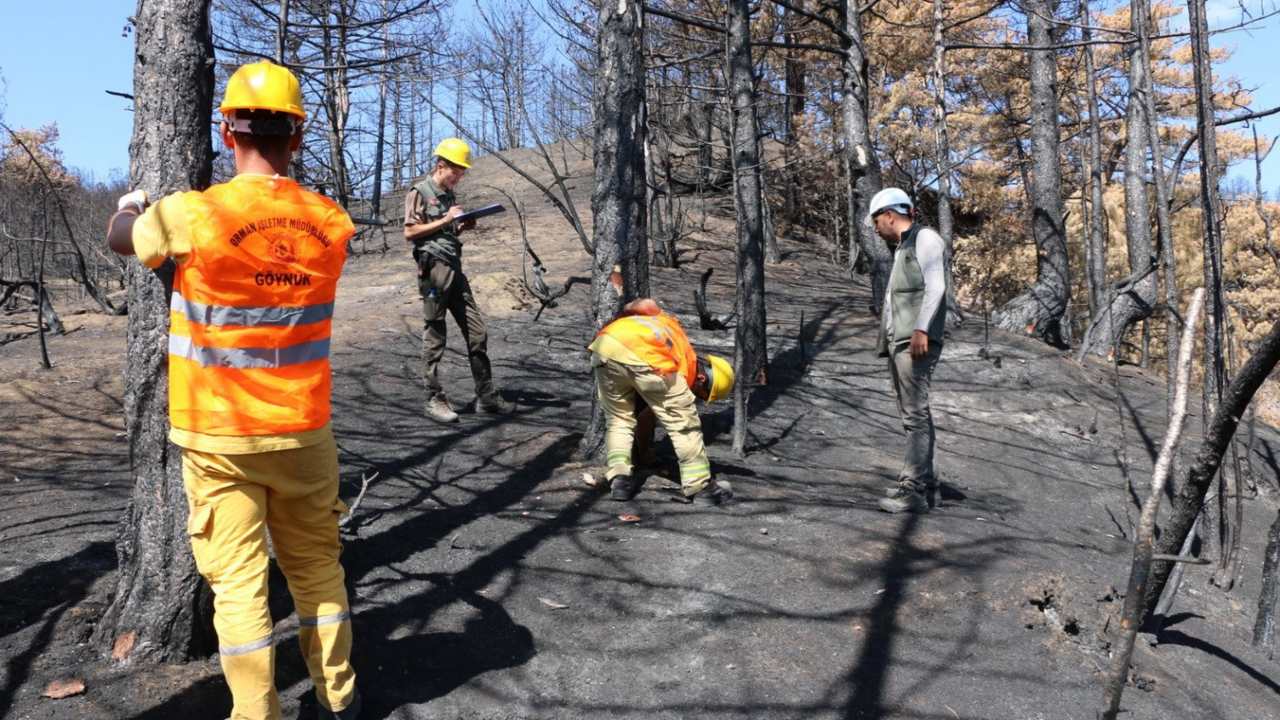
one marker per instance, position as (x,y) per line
(324,619)
(226,315)
(247,647)
(248,358)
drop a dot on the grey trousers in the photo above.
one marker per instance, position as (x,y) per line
(911,379)
(446,290)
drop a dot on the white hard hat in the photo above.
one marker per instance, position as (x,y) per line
(890,198)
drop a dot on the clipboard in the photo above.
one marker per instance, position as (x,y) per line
(485,211)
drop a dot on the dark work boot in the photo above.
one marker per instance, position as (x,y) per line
(350,712)
(495,404)
(714,494)
(623,488)
(932,493)
(906,498)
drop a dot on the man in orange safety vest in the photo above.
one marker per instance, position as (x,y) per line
(644,356)
(257,266)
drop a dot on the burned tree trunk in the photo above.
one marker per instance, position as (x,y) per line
(1039,309)
(1168,259)
(1211,207)
(942,144)
(1140,569)
(795,76)
(1190,494)
(161,608)
(620,268)
(1217,529)
(750,356)
(1136,301)
(1096,247)
(1264,627)
(860,160)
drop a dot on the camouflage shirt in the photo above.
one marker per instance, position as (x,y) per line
(427,202)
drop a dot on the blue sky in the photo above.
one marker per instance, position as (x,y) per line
(59,57)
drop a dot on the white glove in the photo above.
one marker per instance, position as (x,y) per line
(137,199)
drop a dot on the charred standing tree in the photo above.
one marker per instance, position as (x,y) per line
(1191,493)
(161,608)
(861,164)
(942,145)
(1216,525)
(1135,296)
(1164,222)
(750,355)
(1264,627)
(620,268)
(1039,309)
(1211,207)
(795,72)
(1095,268)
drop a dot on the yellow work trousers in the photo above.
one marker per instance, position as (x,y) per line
(234,501)
(673,405)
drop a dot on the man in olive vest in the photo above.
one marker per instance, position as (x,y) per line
(430,224)
(911,332)
(257,262)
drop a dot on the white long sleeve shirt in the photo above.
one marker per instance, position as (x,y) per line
(929,254)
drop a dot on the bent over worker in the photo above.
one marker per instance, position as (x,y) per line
(430,224)
(257,266)
(645,355)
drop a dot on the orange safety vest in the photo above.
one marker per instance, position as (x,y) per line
(251,309)
(659,341)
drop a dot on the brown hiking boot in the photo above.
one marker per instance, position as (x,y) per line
(438,409)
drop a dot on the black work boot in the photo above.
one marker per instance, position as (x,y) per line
(714,494)
(906,498)
(350,712)
(495,404)
(932,493)
(623,488)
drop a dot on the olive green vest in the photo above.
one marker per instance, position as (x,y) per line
(905,294)
(444,244)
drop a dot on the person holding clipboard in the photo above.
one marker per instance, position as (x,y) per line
(433,224)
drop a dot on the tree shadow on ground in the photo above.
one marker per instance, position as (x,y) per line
(870,673)
(28,598)
(1177,637)
(418,666)
(423,666)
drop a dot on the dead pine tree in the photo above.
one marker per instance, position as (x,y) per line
(1133,299)
(161,609)
(1143,543)
(750,355)
(861,164)
(1095,269)
(1211,219)
(1189,498)
(1265,626)
(620,265)
(1039,309)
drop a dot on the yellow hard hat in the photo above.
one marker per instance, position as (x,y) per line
(455,151)
(263,85)
(719,378)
